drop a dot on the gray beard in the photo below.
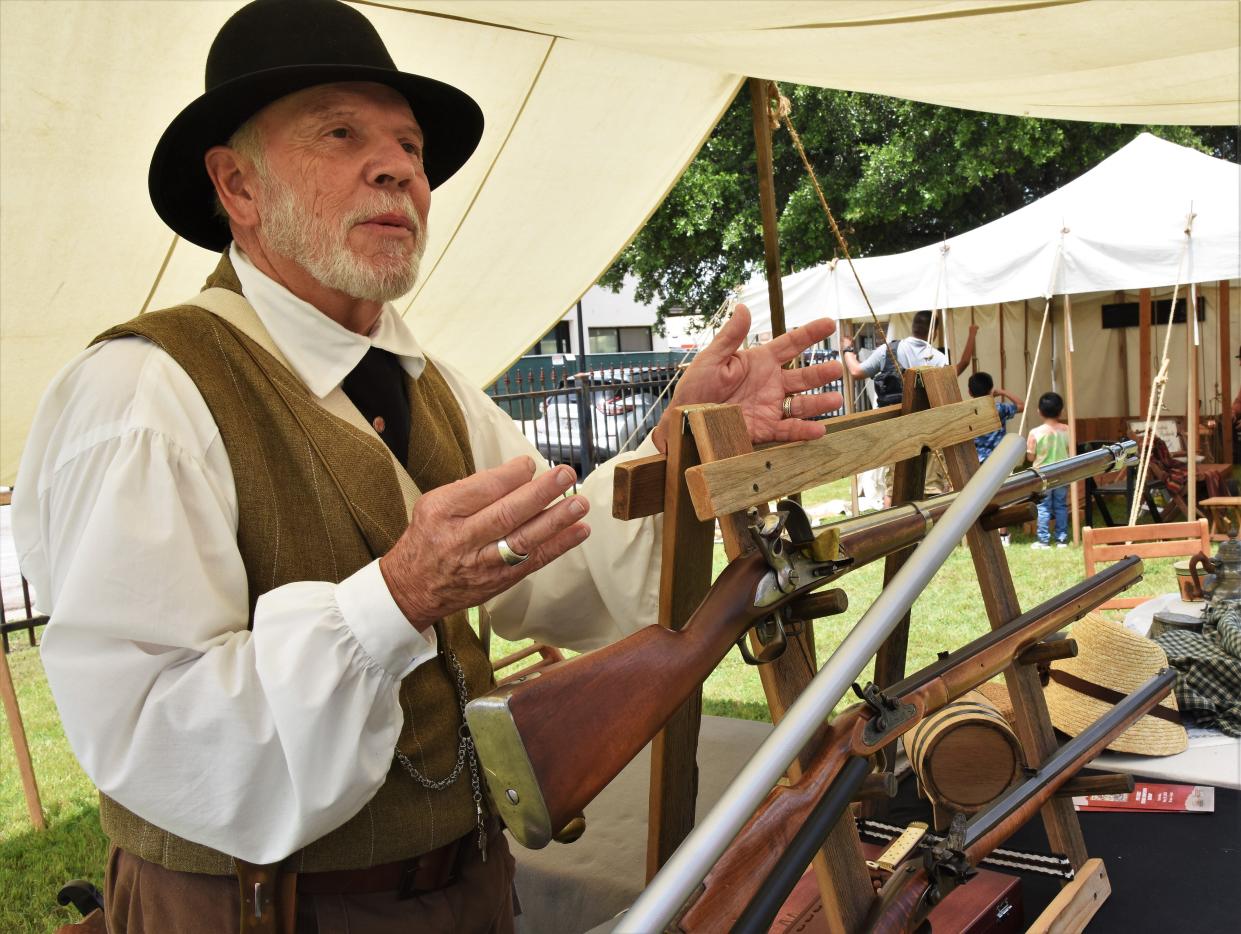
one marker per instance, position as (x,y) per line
(296,234)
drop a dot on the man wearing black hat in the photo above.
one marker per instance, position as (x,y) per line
(259,519)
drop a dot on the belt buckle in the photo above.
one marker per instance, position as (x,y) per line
(422,875)
(409,882)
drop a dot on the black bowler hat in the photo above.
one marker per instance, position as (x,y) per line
(271,48)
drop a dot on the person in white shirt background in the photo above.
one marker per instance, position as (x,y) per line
(126,512)
(913,351)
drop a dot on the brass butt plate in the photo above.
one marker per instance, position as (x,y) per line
(511,785)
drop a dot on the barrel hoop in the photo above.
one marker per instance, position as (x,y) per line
(955,711)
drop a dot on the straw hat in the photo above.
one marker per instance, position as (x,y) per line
(997,693)
(1117,660)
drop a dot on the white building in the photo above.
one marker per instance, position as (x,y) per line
(618,322)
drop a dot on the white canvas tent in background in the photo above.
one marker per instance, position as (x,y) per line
(1118,227)
(593,109)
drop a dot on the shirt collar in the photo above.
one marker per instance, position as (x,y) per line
(320,351)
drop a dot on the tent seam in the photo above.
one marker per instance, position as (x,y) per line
(486,175)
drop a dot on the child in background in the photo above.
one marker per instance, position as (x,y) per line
(1047,444)
(981,384)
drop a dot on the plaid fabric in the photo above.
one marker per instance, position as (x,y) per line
(1208,669)
(991,440)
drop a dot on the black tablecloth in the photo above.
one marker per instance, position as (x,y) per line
(1169,872)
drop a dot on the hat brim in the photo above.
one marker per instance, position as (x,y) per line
(181,190)
(1115,658)
(1072,712)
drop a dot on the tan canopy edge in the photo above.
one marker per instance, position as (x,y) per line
(593,110)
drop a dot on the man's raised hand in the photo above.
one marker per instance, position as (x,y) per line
(447,560)
(754,378)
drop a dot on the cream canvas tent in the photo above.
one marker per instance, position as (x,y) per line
(1117,228)
(593,109)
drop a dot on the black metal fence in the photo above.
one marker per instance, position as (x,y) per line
(26,623)
(583,419)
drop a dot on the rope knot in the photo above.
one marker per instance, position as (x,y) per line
(779,106)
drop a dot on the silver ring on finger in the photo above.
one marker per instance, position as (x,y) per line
(508,555)
(787,408)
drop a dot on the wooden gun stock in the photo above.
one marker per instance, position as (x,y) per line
(769,834)
(549,743)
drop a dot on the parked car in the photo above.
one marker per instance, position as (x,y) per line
(624,405)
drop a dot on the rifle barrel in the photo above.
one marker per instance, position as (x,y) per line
(763,908)
(1062,764)
(877,534)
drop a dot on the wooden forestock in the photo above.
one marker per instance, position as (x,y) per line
(752,855)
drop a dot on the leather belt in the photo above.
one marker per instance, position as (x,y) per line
(1107,695)
(408,877)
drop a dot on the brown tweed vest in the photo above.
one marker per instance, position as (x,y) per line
(318,499)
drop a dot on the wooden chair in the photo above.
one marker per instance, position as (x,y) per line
(1123,483)
(1164,540)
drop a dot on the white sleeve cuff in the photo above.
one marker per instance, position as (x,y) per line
(370,612)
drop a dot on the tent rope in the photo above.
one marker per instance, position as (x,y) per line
(781,108)
(1038,347)
(781,111)
(1160,384)
(159,276)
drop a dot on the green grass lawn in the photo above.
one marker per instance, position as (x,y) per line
(35,864)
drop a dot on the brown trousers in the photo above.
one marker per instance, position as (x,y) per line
(145,898)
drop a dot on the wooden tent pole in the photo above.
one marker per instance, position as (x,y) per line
(1225,371)
(846,330)
(838,868)
(1123,342)
(1025,327)
(999,311)
(1074,492)
(1144,351)
(1191,401)
(760,95)
(974,356)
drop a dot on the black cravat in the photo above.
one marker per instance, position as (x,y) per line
(377,387)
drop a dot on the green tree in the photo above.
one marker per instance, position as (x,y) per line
(898,175)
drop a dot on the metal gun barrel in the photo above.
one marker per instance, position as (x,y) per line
(865,538)
(1074,754)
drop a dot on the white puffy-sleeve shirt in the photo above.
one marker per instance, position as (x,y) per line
(252,741)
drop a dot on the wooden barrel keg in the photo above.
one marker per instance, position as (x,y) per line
(965,755)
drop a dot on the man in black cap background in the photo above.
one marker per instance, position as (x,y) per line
(258,519)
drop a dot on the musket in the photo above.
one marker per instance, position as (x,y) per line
(767,858)
(917,885)
(549,743)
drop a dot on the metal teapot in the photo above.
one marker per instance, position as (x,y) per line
(1224,580)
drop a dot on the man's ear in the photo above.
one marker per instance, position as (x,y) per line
(234,182)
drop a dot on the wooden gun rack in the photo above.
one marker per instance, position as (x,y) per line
(712,472)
